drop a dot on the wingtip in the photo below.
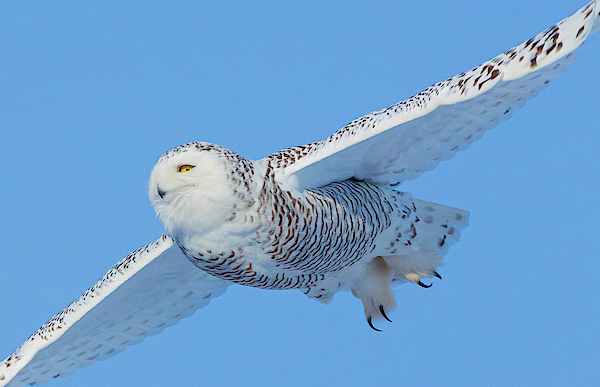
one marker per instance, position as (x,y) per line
(596,25)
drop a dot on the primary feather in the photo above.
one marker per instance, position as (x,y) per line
(149,290)
(399,143)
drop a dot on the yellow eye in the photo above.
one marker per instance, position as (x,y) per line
(185,168)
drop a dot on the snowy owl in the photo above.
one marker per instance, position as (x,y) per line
(319,218)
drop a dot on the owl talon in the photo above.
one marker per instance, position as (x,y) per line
(382,310)
(436,274)
(421,284)
(371,324)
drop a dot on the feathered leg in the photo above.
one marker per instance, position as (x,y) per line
(414,266)
(373,289)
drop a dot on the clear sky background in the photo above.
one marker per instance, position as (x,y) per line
(91,95)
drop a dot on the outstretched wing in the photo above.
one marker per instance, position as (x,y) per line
(401,142)
(145,292)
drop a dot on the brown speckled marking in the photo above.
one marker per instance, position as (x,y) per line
(58,321)
(531,52)
(321,231)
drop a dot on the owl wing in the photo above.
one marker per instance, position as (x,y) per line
(145,292)
(399,143)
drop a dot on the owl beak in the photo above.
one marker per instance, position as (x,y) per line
(161,193)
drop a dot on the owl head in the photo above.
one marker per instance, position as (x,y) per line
(194,186)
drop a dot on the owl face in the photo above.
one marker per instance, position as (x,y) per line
(189,188)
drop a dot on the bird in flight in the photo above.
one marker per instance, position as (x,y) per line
(319,218)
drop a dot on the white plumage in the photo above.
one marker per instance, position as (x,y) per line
(166,288)
(388,146)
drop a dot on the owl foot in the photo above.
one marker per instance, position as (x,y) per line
(370,318)
(373,289)
(415,266)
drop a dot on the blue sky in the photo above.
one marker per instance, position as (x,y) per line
(91,95)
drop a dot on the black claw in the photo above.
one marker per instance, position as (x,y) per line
(371,324)
(421,284)
(382,310)
(436,274)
